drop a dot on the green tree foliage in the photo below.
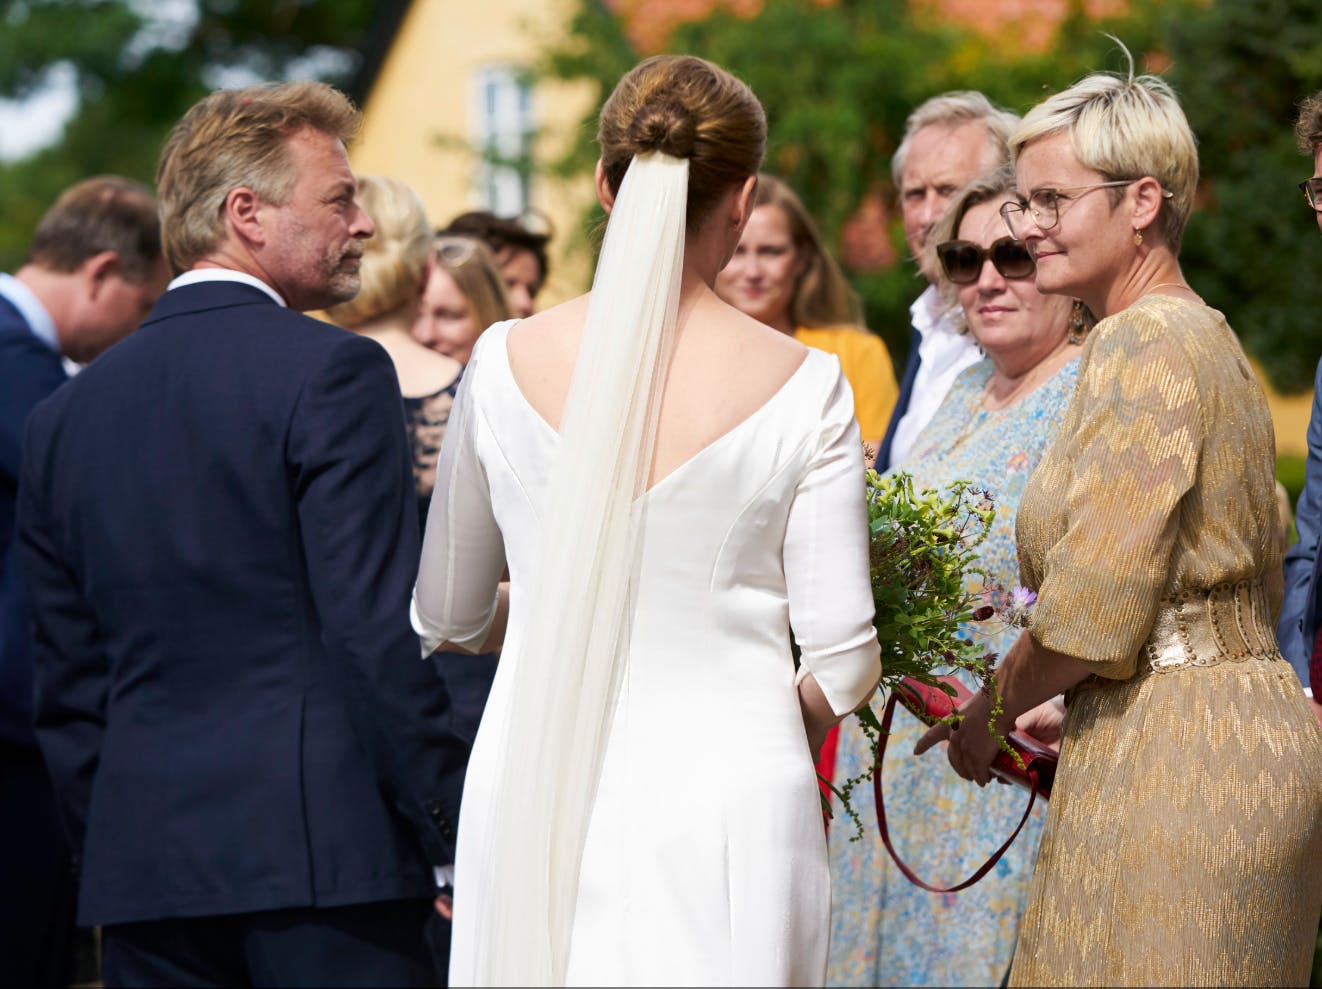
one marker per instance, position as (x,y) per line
(135,76)
(1252,250)
(838,80)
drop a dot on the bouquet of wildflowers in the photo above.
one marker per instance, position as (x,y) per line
(929,590)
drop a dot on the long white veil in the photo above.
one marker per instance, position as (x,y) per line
(572,658)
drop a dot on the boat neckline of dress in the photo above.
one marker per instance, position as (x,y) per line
(698,454)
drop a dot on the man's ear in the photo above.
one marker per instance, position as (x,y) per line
(604,194)
(97,271)
(242,211)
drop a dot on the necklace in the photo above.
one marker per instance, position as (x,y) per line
(1153,288)
(1035,375)
(980,411)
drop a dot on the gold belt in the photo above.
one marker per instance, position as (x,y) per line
(1229,623)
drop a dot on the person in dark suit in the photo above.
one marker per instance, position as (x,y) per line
(1301,610)
(949,140)
(219,536)
(93,269)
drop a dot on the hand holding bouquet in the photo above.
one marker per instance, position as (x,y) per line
(930,591)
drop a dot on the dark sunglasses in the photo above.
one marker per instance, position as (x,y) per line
(962,260)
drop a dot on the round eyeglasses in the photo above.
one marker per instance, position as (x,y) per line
(1312,190)
(1044,205)
(962,260)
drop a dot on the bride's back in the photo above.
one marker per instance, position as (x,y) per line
(725,366)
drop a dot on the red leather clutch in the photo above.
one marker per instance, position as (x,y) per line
(929,703)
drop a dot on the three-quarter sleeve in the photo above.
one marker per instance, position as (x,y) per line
(1133,440)
(463,553)
(826,563)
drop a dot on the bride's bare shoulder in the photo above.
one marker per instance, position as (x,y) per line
(775,350)
(551,331)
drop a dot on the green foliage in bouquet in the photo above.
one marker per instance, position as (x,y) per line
(928,586)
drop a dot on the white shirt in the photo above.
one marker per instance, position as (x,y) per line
(944,352)
(30,308)
(224,275)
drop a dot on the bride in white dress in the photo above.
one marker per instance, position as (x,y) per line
(672,486)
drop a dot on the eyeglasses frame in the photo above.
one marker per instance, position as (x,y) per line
(1312,190)
(1025,206)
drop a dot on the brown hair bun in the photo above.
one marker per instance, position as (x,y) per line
(664,126)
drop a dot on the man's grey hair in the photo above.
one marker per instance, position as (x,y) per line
(951,110)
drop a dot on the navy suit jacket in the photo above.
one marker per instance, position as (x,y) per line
(29,371)
(220,538)
(882,462)
(1303,581)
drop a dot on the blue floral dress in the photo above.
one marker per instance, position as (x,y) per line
(885,931)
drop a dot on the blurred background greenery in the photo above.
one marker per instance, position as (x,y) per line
(837,78)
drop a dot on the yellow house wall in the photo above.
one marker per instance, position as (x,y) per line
(422,94)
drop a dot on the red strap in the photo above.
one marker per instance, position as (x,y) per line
(885,833)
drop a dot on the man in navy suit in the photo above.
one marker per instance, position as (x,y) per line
(948,141)
(220,539)
(93,269)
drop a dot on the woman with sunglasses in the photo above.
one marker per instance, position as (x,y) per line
(1185,824)
(991,429)
(464,294)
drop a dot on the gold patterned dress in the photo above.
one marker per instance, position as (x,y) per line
(1183,843)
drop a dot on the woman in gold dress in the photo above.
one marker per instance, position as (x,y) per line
(1185,828)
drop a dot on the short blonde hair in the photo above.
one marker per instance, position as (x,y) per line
(233,138)
(1125,127)
(473,267)
(394,257)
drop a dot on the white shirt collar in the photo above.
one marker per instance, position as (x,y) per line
(932,314)
(224,275)
(31,309)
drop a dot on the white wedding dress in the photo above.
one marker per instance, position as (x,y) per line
(705,860)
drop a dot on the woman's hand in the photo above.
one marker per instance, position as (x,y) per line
(971,746)
(1044,722)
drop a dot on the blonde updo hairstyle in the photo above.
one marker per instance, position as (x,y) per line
(394,257)
(1125,127)
(822,295)
(685,107)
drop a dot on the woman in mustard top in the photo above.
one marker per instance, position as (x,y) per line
(782,275)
